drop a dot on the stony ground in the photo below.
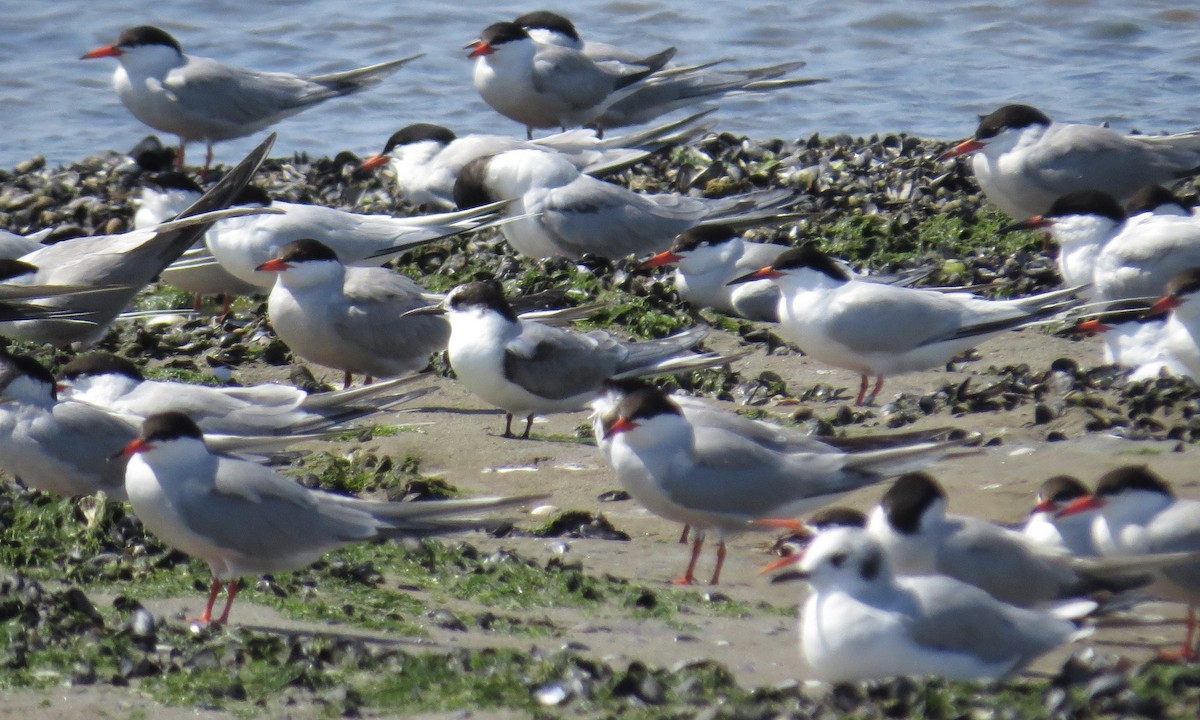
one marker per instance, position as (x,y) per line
(572,611)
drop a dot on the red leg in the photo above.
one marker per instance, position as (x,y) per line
(862,390)
(208,159)
(684,537)
(197,302)
(716,578)
(875,392)
(347,379)
(213,591)
(227,307)
(689,578)
(508,425)
(528,426)
(179,155)
(368,380)
(1186,652)
(231,591)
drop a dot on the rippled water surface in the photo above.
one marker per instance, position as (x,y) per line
(926,67)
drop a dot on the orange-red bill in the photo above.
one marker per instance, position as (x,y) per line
(1083,504)
(102,52)
(966,147)
(374,162)
(665,257)
(273,265)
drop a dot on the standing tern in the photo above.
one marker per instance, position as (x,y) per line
(714,476)
(349,318)
(200,99)
(1024,162)
(862,622)
(561,212)
(880,330)
(129,261)
(546,86)
(244,519)
(527,367)
(1139,514)
(668,89)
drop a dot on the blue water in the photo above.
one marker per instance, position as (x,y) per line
(927,67)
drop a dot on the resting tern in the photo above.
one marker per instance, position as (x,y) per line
(1139,514)
(1121,257)
(1180,336)
(880,330)
(708,257)
(242,245)
(921,538)
(426,159)
(862,622)
(244,519)
(127,261)
(715,476)
(665,91)
(349,318)
(1069,534)
(164,196)
(118,386)
(546,86)
(1024,162)
(561,212)
(200,99)
(526,367)
(64,447)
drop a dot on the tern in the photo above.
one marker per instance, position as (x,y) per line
(880,330)
(862,622)
(546,86)
(558,211)
(713,475)
(1139,514)
(527,367)
(1024,162)
(244,519)
(349,318)
(202,100)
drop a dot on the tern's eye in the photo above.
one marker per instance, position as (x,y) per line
(838,560)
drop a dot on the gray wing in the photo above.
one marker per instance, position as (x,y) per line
(87,439)
(1071,156)
(731,475)
(237,98)
(1004,564)
(877,318)
(592,216)
(870,317)
(256,513)
(1177,529)
(557,364)
(958,618)
(376,298)
(571,77)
